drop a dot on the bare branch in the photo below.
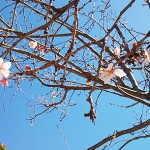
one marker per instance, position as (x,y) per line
(120,133)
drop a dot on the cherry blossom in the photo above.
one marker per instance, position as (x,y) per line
(110,73)
(135,44)
(146,58)
(27,67)
(117,51)
(4,82)
(41,49)
(88,82)
(32,44)
(4,69)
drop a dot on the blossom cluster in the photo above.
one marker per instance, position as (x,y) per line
(4,72)
(111,72)
(34,44)
(106,74)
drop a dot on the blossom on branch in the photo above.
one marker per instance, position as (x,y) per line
(41,49)
(4,69)
(28,68)
(88,82)
(117,51)
(32,44)
(134,44)
(4,82)
(110,73)
(146,58)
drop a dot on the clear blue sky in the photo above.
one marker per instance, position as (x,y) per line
(18,134)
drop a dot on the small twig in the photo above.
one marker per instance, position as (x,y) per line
(130,140)
(125,106)
(119,17)
(63,137)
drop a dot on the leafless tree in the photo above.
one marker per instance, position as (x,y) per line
(70,56)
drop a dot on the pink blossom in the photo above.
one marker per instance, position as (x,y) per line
(4,82)
(110,73)
(32,44)
(41,49)
(117,51)
(4,69)
(135,44)
(27,67)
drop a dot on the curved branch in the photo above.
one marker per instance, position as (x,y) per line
(121,133)
(133,139)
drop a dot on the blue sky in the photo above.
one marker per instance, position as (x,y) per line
(18,133)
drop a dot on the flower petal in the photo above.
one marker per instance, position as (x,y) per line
(27,67)
(1,76)
(145,53)
(1,61)
(117,51)
(5,73)
(4,82)
(7,65)
(145,61)
(109,66)
(33,44)
(42,52)
(119,72)
(106,77)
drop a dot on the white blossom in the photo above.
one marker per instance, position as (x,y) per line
(146,58)
(32,44)
(117,51)
(110,73)
(4,69)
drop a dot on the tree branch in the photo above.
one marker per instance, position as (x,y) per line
(121,133)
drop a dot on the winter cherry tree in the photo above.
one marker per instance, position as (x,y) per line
(74,47)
